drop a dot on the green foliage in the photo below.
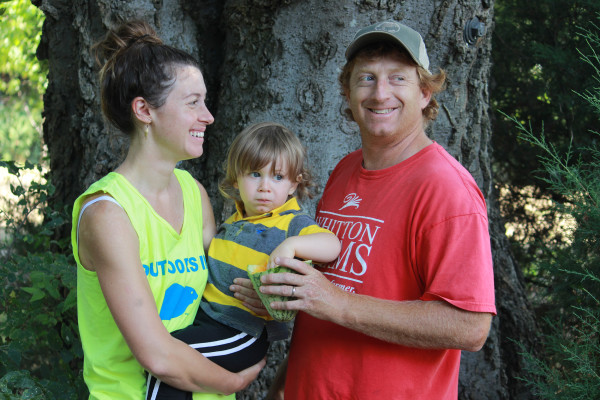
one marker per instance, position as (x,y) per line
(23,81)
(567,276)
(40,349)
(536,77)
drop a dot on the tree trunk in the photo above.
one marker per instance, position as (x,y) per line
(279,61)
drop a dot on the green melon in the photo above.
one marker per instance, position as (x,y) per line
(267,299)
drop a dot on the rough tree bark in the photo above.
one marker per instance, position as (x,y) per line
(279,60)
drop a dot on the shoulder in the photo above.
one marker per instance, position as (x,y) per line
(300,220)
(353,158)
(103,228)
(347,166)
(99,200)
(99,210)
(441,168)
(112,185)
(189,183)
(186,180)
(442,177)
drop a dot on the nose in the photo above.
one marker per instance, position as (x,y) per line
(382,89)
(205,116)
(263,185)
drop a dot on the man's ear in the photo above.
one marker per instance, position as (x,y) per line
(141,110)
(425,98)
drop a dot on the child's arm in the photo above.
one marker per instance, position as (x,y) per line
(319,247)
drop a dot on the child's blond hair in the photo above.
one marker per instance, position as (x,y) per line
(260,144)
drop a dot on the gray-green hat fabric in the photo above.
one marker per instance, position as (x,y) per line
(395,32)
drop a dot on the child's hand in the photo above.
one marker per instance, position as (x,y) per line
(285,249)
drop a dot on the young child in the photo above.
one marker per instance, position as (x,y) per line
(265,168)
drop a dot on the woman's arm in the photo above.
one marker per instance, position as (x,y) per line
(319,247)
(109,245)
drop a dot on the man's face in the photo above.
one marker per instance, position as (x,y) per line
(385,98)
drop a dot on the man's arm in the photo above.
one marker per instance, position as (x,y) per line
(422,324)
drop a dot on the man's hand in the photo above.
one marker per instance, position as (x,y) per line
(314,293)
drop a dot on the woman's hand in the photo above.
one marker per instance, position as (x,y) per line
(243,290)
(250,374)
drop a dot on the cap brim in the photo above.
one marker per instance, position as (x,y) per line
(374,37)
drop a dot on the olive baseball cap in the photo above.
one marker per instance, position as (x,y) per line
(395,32)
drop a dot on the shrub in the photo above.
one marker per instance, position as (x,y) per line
(40,350)
(567,272)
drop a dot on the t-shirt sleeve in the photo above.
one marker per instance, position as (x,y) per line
(456,261)
(303,224)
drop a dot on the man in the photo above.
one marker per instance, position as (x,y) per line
(413,285)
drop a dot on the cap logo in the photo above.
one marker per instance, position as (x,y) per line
(387,26)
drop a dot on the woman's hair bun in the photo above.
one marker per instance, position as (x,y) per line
(127,35)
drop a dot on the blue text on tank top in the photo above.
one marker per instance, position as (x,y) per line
(177,297)
(177,266)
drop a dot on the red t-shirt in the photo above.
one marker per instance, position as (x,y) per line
(414,231)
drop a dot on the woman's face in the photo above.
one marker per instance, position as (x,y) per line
(178,126)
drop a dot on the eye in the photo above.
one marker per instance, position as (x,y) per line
(278,177)
(196,101)
(366,78)
(254,174)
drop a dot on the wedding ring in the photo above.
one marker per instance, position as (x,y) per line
(293,290)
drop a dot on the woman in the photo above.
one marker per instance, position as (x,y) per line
(139,233)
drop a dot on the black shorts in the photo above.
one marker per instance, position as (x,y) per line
(231,349)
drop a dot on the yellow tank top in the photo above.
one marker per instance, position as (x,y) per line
(175,266)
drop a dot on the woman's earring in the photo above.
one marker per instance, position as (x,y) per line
(147,126)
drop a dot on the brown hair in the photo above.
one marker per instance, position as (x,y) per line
(135,62)
(428,81)
(260,144)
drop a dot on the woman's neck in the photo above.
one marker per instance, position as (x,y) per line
(149,174)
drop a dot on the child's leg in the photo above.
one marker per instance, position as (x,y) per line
(156,389)
(223,345)
(231,349)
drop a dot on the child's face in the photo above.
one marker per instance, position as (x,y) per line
(262,191)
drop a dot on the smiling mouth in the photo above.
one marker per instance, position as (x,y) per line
(197,134)
(384,111)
